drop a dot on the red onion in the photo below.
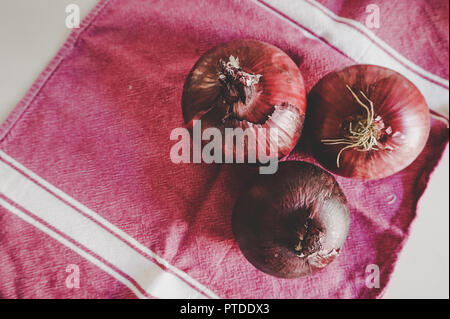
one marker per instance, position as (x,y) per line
(292,223)
(250,85)
(367,121)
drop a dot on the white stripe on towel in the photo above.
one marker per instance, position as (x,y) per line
(360,44)
(91,231)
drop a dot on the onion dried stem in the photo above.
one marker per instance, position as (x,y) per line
(363,136)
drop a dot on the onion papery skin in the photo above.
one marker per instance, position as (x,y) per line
(272,217)
(396,101)
(278,101)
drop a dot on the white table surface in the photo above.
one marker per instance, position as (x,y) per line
(31,32)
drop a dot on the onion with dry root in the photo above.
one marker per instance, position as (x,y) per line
(292,223)
(367,121)
(250,85)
